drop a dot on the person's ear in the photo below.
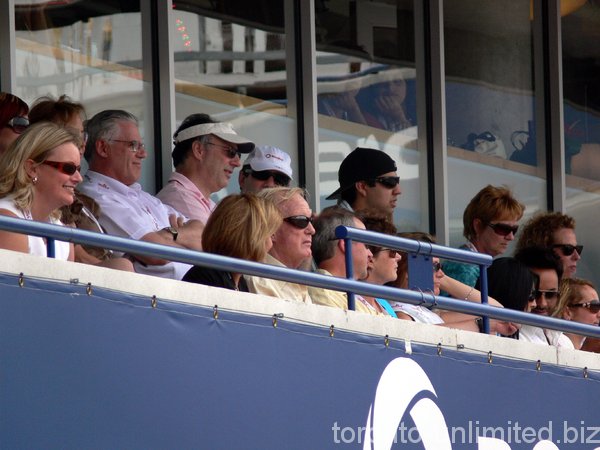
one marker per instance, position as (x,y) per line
(478,226)
(31,168)
(361,188)
(102,148)
(567,314)
(342,245)
(198,149)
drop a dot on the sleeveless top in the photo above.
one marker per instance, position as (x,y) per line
(37,245)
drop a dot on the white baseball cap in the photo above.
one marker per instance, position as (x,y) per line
(265,157)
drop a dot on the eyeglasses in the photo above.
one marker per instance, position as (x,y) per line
(67,168)
(229,151)
(502,229)
(437,266)
(134,146)
(549,295)
(18,124)
(388,182)
(593,306)
(391,252)
(568,249)
(279,178)
(300,222)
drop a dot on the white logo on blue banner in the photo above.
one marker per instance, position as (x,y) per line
(401,381)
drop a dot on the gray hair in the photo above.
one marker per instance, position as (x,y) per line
(324,241)
(104,125)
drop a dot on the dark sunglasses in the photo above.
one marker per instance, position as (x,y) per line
(593,306)
(280,179)
(388,182)
(64,167)
(300,222)
(568,249)
(549,295)
(391,252)
(437,266)
(502,229)
(18,124)
(231,152)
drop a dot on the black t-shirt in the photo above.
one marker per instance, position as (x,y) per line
(214,277)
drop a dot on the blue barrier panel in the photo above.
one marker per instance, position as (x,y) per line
(109,370)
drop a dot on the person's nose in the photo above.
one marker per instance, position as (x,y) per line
(310,229)
(77,178)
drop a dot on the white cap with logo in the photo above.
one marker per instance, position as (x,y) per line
(265,157)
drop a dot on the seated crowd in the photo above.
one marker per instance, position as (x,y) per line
(270,221)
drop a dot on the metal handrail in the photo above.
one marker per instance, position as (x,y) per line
(415,247)
(74,235)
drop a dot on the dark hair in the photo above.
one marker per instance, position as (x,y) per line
(103,126)
(181,149)
(540,258)
(58,111)
(375,221)
(402,270)
(510,282)
(323,241)
(11,106)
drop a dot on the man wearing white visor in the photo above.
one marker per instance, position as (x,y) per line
(205,155)
(265,167)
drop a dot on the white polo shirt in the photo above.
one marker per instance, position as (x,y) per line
(128,211)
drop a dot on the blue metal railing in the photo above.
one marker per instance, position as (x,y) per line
(417,248)
(279,273)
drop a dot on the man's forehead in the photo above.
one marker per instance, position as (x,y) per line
(295,205)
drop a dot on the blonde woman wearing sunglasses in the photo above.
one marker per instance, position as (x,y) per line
(39,172)
(579,303)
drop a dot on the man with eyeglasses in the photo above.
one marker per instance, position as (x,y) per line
(291,244)
(368,180)
(546,265)
(555,231)
(205,156)
(265,167)
(115,154)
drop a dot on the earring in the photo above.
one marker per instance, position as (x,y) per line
(34,180)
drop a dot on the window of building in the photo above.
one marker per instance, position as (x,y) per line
(366,94)
(490,104)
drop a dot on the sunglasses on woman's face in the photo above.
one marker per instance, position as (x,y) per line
(568,249)
(391,252)
(300,222)
(67,168)
(503,229)
(593,306)
(18,124)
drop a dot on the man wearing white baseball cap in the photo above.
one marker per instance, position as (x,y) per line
(265,167)
(205,155)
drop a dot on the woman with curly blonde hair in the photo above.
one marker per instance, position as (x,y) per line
(241,227)
(38,175)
